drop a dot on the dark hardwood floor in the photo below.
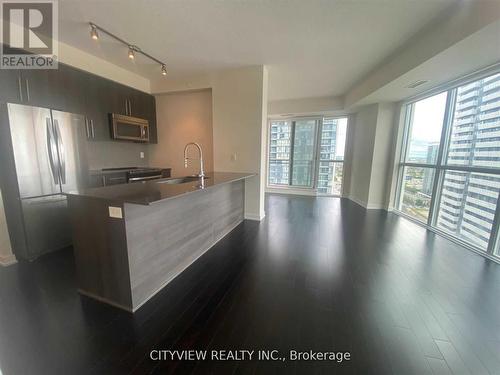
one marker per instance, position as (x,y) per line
(318,274)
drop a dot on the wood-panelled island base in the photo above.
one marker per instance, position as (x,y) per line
(163,229)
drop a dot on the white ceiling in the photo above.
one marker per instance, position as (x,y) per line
(474,52)
(313,48)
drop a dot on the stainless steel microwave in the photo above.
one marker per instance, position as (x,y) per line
(129,128)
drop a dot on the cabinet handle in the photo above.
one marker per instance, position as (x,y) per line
(92,131)
(19,86)
(27,89)
(87,127)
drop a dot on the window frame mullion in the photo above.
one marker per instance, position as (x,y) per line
(492,243)
(317,153)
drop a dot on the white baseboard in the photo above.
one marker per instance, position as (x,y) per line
(363,204)
(7,260)
(376,207)
(359,202)
(255,217)
(287,191)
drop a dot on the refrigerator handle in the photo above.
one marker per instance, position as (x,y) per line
(87,127)
(62,155)
(27,89)
(20,88)
(51,150)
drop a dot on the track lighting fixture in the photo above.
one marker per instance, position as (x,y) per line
(132,49)
(93,32)
(131,52)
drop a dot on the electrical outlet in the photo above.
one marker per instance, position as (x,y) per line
(233,157)
(141,154)
(115,212)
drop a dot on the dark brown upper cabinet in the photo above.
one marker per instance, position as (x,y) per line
(10,85)
(30,87)
(70,86)
(72,90)
(42,88)
(98,105)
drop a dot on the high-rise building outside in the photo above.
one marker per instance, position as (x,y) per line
(428,181)
(333,137)
(468,199)
(279,152)
(293,146)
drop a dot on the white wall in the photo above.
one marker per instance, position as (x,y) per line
(6,256)
(182,118)
(361,134)
(239,120)
(371,143)
(397,141)
(382,153)
(306,106)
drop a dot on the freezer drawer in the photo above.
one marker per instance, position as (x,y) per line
(46,224)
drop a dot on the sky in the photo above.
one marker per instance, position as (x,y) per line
(428,118)
(427,125)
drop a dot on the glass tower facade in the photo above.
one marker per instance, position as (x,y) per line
(331,155)
(307,153)
(279,152)
(468,200)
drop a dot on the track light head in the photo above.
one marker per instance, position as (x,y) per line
(131,53)
(164,70)
(93,32)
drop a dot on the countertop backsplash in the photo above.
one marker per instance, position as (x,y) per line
(115,154)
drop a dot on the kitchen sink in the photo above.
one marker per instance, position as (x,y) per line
(181,180)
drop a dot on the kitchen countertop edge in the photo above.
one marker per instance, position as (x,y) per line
(94,192)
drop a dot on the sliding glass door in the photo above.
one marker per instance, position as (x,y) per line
(307,153)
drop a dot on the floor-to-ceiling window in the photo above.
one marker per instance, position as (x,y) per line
(331,155)
(449,175)
(307,153)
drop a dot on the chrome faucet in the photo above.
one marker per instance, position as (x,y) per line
(202,173)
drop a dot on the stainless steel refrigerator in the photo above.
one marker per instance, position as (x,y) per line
(50,156)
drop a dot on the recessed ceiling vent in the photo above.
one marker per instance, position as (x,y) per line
(416,84)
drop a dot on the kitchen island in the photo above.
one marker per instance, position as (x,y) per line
(131,240)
